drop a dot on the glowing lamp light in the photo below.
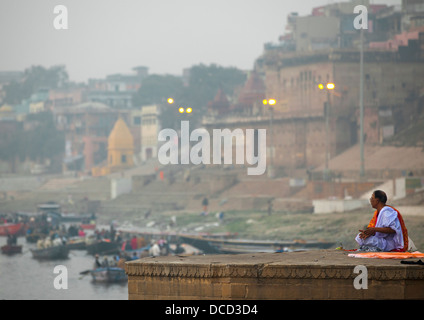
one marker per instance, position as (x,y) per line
(181,110)
(170,100)
(271,102)
(189,110)
(321,86)
(330,86)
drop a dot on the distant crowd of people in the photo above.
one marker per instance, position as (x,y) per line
(135,248)
(139,247)
(116,261)
(52,239)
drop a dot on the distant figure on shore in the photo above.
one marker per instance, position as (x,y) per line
(154,250)
(81,232)
(179,249)
(105,262)
(205,203)
(47,242)
(121,262)
(133,243)
(11,239)
(270,205)
(386,230)
(97,263)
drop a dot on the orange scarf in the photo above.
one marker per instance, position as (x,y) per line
(402,224)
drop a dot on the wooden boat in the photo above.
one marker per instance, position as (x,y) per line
(54,210)
(88,226)
(109,275)
(103,247)
(11,249)
(235,246)
(170,236)
(51,253)
(76,243)
(10,228)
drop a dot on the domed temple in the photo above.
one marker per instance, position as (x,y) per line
(120,150)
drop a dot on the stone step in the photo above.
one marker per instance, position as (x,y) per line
(58,184)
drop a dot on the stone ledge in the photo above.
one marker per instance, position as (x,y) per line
(320,274)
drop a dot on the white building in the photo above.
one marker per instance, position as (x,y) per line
(150,128)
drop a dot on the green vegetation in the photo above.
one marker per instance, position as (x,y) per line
(39,143)
(204,83)
(35,78)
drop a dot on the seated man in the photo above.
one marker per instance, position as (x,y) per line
(386,230)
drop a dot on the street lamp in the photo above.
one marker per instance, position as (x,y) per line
(329,86)
(187,110)
(271,102)
(180,109)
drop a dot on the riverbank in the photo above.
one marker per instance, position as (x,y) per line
(340,228)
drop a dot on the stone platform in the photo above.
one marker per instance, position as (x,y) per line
(318,274)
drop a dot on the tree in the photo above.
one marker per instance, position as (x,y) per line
(44,141)
(156,89)
(12,146)
(38,144)
(35,78)
(204,83)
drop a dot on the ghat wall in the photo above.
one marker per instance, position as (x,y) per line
(320,274)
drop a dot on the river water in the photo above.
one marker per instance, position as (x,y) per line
(24,278)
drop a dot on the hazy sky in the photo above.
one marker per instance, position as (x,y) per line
(113,36)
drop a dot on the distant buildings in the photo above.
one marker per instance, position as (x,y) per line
(120,150)
(322,48)
(85,113)
(116,90)
(87,127)
(306,124)
(150,127)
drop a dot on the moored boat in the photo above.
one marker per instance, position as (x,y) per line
(235,246)
(76,243)
(51,253)
(88,226)
(109,275)
(54,211)
(11,249)
(103,247)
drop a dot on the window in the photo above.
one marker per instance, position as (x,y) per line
(123,158)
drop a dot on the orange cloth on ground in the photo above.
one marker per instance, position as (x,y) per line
(387,255)
(402,224)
